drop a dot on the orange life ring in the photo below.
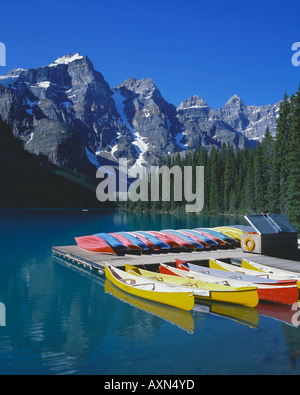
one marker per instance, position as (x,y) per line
(247,246)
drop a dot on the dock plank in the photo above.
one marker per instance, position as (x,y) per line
(98,261)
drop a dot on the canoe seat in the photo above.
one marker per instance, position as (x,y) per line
(234,277)
(128,281)
(133,283)
(152,285)
(225,283)
(157,278)
(190,284)
(263,275)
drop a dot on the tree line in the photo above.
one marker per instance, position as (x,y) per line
(264,178)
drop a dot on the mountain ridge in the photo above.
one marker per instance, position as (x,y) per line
(131,120)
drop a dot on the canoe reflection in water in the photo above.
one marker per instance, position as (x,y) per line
(186,320)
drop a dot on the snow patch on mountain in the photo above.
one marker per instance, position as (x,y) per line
(66,59)
(138,141)
(7,81)
(132,120)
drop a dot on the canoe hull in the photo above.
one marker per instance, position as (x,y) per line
(234,233)
(135,240)
(184,239)
(94,244)
(155,240)
(196,238)
(231,275)
(281,274)
(146,241)
(219,293)
(181,300)
(166,239)
(221,236)
(180,241)
(219,241)
(278,292)
(126,242)
(113,242)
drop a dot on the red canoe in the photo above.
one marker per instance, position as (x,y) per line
(205,245)
(146,241)
(219,241)
(126,242)
(166,239)
(180,241)
(277,293)
(94,244)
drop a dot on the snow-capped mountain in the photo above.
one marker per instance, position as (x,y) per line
(252,121)
(68,113)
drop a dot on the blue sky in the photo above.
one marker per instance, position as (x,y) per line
(214,49)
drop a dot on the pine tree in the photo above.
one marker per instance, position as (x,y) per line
(214,190)
(293,182)
(259,180)
(283,138)
(248,203)
(273,195)
(268,152)
(262,171)
(229,182)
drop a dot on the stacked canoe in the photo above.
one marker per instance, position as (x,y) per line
(198,239)
(183,284)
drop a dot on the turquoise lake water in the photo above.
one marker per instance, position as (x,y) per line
(58,319)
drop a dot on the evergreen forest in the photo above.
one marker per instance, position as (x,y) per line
(263,178)
(260,179)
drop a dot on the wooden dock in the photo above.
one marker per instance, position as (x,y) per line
(97,261)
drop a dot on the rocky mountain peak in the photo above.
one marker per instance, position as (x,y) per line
(142,88)
(42,105)
(193,102)
(66,59)
(15,72)
(235,99)
(235,102)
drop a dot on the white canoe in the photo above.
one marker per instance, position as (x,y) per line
(246,269)
(272,271)
(278,293)
(233,275)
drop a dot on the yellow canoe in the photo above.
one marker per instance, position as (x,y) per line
(246,296)
(151,290)
(234,233)
(274,272)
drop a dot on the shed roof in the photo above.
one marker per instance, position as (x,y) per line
(270,223)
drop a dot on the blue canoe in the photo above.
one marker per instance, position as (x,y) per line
(155,240)
(220,235)
(135,240)
(184,237)
(202,237)
(113,242)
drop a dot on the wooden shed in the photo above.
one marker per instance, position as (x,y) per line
(274,235)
